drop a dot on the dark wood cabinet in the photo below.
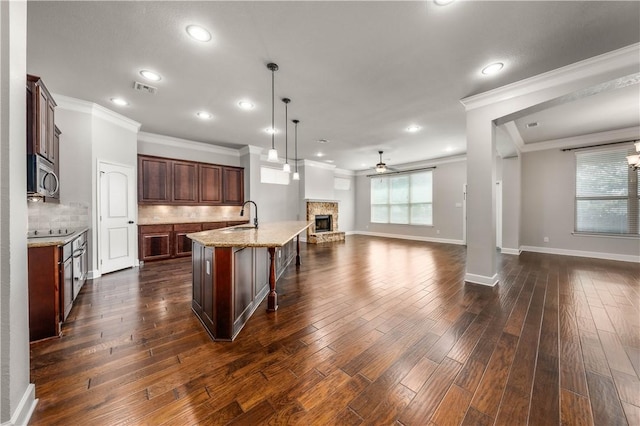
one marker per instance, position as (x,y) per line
(228,285)
(155,242)
(40,119)
(179,182)
(210,184)
(43,136)
(182,244)
(154,180)
(45,275)
(168,241)
(184,187)
(232,186)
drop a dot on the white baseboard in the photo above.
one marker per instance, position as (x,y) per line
(25,408)
(505,250)
(580,253)
(93,275)
(409,237)
(481,279)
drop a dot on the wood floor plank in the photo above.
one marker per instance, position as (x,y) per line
(356,340)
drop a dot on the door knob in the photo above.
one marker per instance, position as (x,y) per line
(130,222)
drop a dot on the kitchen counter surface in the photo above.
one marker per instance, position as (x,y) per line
(273,234)
(174,220)
(55,240)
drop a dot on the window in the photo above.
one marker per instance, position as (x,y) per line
(403,198)
(606,193)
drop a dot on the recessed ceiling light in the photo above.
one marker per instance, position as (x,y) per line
(198,33)
(150,75)
(204,115)
(119,101)
(443,2)
(532,124)
(271,130)
(492,68)
(319,154)
(246,104)
(413,128)
(323,141)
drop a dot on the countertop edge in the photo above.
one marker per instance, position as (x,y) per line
(227,239)
(55,241)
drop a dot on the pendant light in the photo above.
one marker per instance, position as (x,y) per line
(296,175)
(273,153)
(286,168)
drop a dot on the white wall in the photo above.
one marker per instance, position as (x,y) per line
(16,394)
(91,133)
(170,147)
(346,203)
(548,191)
(511,203)
(449,177)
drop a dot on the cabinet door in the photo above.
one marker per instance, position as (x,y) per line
(44,292)
(182,244)
(42,132)
(55,149)
(233,185)
(52,155)
(197,265)
(209,311)
(155,242)
(154,177)
(210,184)
(185,182)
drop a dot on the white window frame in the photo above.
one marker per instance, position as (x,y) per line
(409,204)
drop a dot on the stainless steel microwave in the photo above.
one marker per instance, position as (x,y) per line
(41,178)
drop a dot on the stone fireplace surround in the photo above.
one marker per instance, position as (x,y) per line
(320,207)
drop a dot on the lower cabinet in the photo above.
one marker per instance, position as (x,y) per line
(228,285)
(154,242)
(158,242)
(45,275)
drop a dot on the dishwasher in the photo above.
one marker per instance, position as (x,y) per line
(79,247)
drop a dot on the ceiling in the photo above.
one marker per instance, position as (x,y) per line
(358,73)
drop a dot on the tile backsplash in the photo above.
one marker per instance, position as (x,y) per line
(46,216)
(177,214)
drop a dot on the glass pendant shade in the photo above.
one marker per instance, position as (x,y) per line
(286,168)
(296,176)
(272,156)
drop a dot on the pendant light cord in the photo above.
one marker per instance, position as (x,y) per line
(286,131)
(296,123)
(273,129)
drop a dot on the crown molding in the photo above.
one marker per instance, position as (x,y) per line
(607,62)
(420,164)
(577,141)
(317,164)
(185,143)
(250,149)
(95,110)
(344,172)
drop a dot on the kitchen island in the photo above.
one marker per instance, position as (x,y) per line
(232,273)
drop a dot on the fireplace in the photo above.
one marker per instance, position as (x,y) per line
(323,214)
(323,223)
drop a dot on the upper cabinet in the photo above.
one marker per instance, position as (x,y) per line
(180,182)
(40,120)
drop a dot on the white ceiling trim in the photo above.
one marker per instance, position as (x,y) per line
(184,143)
(318,164)
(95,110)
(577,141)
(607,62)
(420,164)
(250,149)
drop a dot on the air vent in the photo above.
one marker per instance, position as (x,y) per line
(144,87)
(533,124)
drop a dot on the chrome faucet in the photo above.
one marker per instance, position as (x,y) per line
(255,219)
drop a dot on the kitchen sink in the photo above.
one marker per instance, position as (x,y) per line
(239,228)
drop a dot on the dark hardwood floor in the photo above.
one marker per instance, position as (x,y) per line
(371,331)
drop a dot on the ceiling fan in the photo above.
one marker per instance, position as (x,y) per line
(381,167)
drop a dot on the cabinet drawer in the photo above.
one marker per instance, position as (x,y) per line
(146,229)
(208,226)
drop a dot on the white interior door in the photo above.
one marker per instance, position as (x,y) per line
(499,214)
(117,236)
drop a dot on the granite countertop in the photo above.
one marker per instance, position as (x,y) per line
(172,220)
(55,240)
(272,234)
